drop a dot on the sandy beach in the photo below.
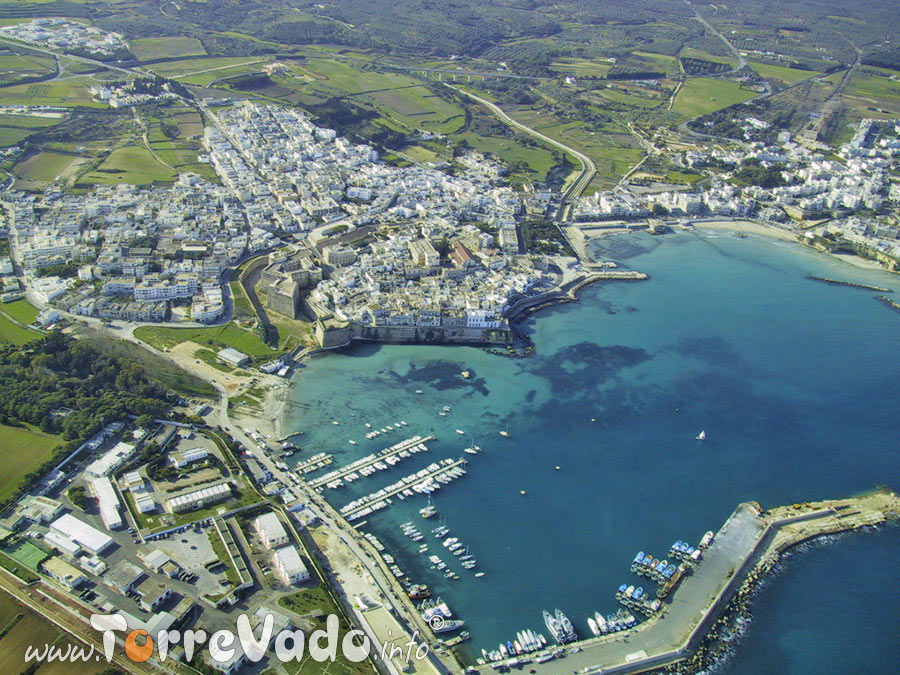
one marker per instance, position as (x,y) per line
(751,227)
(746,227)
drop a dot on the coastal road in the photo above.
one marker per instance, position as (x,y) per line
(376,577)
(588,168)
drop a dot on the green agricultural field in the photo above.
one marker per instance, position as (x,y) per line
(21,628)
(128,164)
(13,67)
(422,154)
(417,107)
(782,73)
(28,121)
(204,79)
(64,93)
(23,451)
(582,68)
(220,337)
(180,69)
(613,153)
(46,167)
(692,53)
(703,95)
(668,63)
(147,49)
(526,161)
(13,136)
(867,90)
(629,99)
(345,77)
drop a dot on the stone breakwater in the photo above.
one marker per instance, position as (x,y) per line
(719,641)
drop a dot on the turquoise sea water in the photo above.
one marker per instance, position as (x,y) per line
(794,382)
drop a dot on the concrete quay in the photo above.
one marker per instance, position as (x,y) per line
(747,546)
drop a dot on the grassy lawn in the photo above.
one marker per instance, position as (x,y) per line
(317,599)
(221,552)
(228,335)
(147,49)
(242,307)
(128,164)
(422,154)
(703,95)
(26,553)
(23,450)
(162,521)
(20,310)
(781,73)
(10,332)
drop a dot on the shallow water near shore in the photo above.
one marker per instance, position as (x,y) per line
(793,380)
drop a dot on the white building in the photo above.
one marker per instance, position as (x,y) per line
(270,530)
(108,502)
(199,498)
(233,357)
(289,565)
(181,458)
(60,541)
(90,538)
(111,460)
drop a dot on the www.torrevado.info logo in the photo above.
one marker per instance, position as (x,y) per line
(289,645)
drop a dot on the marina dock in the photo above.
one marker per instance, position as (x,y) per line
(746,546)
(314,463)
(369,502)
(369,460)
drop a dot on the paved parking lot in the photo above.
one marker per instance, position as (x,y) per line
(191,559)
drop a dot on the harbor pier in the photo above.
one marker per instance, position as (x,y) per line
(746,547)
(370,460)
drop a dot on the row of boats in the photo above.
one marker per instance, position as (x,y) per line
(638,600)
(375,433)
(425,481)
(314,463)
(526,641)
(439,617)
(658,570)
(611,623)
(366,466)
(376,466)
(560,626)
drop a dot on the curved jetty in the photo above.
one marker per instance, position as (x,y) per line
(890,303)
(746,547)
(851,284)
